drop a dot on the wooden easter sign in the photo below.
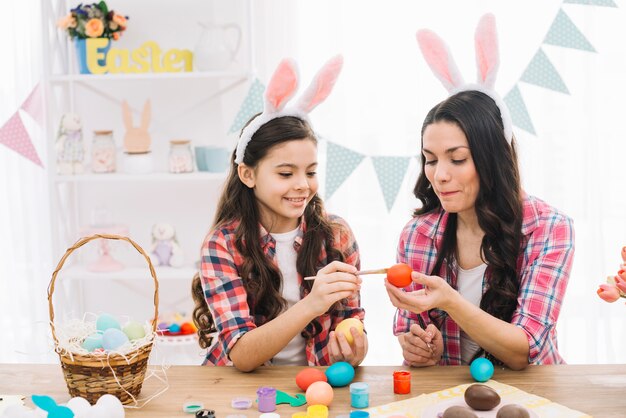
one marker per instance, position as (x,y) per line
(147,58)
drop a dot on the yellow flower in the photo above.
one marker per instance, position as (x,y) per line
(120,20)
(67,22)
(94,28)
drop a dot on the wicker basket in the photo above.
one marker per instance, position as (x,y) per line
(91,376)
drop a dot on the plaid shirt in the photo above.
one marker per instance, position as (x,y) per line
(228,301)
(543,266)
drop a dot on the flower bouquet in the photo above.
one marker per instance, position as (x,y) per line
(615,286)
(88,22)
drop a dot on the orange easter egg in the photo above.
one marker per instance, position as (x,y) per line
(187,328)
(399,275)
(307,376)
(345,325)
(319,393)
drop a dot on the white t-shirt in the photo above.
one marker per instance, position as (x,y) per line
(294,353)
(469,284)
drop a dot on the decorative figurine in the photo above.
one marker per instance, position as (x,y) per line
(69,145)
(165,249)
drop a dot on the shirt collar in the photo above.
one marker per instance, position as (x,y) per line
(267,239)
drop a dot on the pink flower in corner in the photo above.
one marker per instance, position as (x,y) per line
(608,292)
(620,282)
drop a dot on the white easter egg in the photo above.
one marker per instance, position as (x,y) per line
(113,338)
(79,406)
(112,405)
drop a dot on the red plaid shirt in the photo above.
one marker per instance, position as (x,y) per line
(544,268)
(228,301)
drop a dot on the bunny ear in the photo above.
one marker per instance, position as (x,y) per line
(439,59)
(282,86)
(322,84)
(126,115)
(487,56)
(146,115)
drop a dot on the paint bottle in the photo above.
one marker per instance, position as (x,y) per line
(359,395)
(401,382)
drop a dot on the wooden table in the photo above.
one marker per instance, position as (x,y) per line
(599,390)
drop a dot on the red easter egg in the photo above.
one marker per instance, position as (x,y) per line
(307,376)
(187,328)
(399,275)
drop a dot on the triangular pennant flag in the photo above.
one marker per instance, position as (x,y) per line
(564,33)
(14,135)
(340,163)
(542,73)
(390,172)
(33,105)
(607,3)
(519,113)
(252,104)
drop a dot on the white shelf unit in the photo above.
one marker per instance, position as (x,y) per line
(184,105)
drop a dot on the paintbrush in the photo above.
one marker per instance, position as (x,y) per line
(358,273)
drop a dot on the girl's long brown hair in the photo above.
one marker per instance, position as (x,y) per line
(261,278)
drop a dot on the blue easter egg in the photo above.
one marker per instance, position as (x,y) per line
(106,321)
(174,328)
(340,374)
(113,338)
(92,342)
(481,369)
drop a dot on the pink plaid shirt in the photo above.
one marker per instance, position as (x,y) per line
(544,268)
(228,301)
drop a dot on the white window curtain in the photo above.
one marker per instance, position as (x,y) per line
(575,159)
(24,215)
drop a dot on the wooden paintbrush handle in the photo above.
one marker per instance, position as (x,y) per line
(358,273)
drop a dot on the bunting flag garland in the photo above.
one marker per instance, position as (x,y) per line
(13,135)
(518,110)
(33,105)
(564,33)
(605,3)
(340,163)
(542,73)
(252,104)
(390,172)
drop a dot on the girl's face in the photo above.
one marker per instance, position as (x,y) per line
(449,167)
(284,182)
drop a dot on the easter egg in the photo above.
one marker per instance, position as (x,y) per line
(399,275)
(187,328)
(92,342)
(113,338)
(106,321)
(481,397)
(340,374)
(134,330)
(163,326)
(309,375)
(481,369)
(112,406)
(79,406)
(174,328)
(345,325)
(512,411)
(319,393)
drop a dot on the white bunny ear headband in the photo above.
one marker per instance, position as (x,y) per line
(443,66)
(281,88)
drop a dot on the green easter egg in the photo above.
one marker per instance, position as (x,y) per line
(134,330)
(92,342)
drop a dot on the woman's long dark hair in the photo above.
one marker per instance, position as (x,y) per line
(499,202)
(261,278)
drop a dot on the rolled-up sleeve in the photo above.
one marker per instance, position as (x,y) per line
(543,284)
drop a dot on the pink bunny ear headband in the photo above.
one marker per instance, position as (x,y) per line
(443,66)
(281,88)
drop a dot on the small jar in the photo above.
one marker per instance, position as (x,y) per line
(267,399)
(359,395)
(181,159)
(401,382)
(359,414)
(103,152)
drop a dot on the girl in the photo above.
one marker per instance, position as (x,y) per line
(491,263)
(270,231)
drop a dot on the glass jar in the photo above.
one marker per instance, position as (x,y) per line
(181,159)
(103,152)
(359,395)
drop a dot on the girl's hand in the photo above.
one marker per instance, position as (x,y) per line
(436,293)
(341,350)
(422,347)
(333,282)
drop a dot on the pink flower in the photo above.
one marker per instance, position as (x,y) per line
(94,28)
(120,20)
(620,282)
(67,22)
(608,292)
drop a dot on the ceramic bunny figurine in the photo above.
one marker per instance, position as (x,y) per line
(137,139)
(69,145)
(165,250)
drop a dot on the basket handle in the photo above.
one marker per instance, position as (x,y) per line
(80,243)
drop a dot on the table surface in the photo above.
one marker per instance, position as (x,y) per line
(598,390)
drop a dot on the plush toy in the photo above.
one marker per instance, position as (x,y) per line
(137,139)
(69,145)
(165,249)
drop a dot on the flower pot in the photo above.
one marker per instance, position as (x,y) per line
(81,53)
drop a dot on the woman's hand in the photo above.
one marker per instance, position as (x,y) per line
(422,347)
(333,282)
(341,350)
(437,293)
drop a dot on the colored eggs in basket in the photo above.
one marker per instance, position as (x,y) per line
(113,338)
(308,376)
(134,330)
(106,321)
(92,342)
(319,393)
(340,374)
(345,326)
